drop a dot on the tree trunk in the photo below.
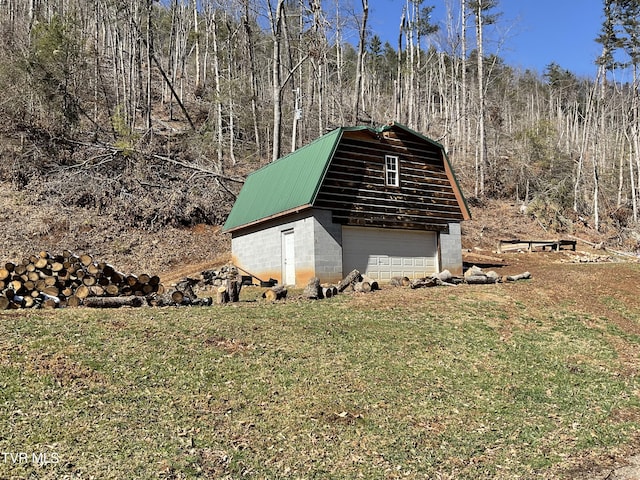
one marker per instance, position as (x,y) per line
(222,296)
(276,71)
(350,279)
(252,78)
(399,79)
(480,279)
(113,302)
(218,89)
(362,287)
(360,61)
(312,290)
(465,131)
(521,276)
(480,174)
(234,285)
(275,293)
(328,292)
(424,283)
(196,40)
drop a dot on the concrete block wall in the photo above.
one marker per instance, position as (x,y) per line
(451,250)
(259,250)
(258,253)
(327,247)
(304,248)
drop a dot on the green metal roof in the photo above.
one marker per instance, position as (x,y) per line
(292,182)
(289,183)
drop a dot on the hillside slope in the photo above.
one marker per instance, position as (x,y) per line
(29,227)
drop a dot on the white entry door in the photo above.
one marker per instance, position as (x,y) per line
(288,258)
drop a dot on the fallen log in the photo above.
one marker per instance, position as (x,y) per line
(496,278)
(313,290)
(373,283)
(480,280)
(521,276)
(275,293)
(329,288)
(399,281)
(362,287)
(444,276)
(113,302)
(476,276)
(473,271)
(424,282)
(350,279)
(202,302)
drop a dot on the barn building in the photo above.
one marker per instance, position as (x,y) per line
(383,200)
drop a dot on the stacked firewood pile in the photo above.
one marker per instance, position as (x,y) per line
(51,281)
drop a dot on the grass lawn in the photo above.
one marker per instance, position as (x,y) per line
(467,382)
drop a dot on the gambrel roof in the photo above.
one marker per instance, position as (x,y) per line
(293,182)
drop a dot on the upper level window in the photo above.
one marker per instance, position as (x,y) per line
(391,173)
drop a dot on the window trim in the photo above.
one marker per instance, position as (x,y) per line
(395,171)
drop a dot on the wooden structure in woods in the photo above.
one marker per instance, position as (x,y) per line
(384,201)
(530,245)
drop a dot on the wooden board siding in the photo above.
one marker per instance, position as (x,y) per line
(354,187)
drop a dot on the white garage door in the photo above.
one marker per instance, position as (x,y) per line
(383,253)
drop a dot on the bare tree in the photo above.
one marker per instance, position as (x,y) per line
(276,20)
(480,8)
(360,60)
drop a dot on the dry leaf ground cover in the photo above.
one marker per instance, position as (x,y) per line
(536,379)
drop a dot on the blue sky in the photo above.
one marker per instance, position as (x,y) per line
(529,34)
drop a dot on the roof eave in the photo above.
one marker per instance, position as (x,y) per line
(291,211)
(328,161)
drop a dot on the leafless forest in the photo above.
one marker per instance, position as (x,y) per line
(152,112)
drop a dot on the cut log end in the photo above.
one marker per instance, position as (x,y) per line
(362,287)
(275,293)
